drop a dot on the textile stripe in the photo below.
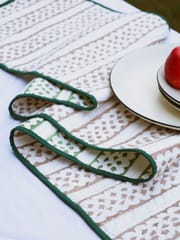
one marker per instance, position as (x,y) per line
(91,37)
(153,206)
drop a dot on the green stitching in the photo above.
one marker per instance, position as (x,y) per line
(145,171)
(131,163)
(50,137)
(33,124)
(96,159)
(64,144)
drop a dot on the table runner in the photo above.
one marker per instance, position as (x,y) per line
(83,57)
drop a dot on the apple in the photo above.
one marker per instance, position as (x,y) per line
(172,68)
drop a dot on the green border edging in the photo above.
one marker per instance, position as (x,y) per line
(6,3)
(108,8)
(54,189)
(53,100)
(93,147)
(113,10)
(58,193)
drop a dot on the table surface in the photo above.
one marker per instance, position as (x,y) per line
(28,209)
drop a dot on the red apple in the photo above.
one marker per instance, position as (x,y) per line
(172,68)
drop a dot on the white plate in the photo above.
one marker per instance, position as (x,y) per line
(170,93)
(134,82)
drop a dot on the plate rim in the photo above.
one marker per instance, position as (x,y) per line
(169,96)
(150,120)
(174,127)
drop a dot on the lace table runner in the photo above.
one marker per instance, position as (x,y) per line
(76,137)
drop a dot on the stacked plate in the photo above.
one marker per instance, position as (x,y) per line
(134,82)
(171,94)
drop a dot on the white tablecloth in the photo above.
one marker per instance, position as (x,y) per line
(28,209)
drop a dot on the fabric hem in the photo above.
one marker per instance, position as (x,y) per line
(6,3)
(57,192)
(93,147)
(91,98)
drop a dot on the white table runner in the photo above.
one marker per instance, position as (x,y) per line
(169,196)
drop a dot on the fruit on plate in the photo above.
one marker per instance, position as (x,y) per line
(172,68)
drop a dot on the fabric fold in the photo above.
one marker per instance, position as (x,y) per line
(125,164)
(71,48)
(43,91)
